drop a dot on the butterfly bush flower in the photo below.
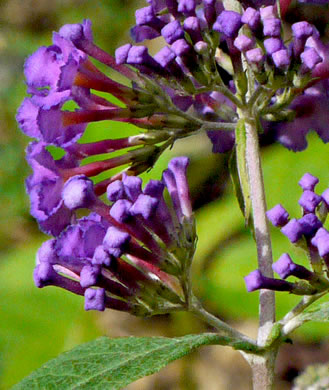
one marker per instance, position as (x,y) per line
(306,232)
(205,45)
(120,256)
(195,82)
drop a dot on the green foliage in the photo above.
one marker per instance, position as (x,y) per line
(36,325)
(112,363)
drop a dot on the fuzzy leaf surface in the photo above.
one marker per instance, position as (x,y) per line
(112,363)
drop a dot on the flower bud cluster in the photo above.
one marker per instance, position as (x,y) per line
(131,253)
(306,232)
(204,62)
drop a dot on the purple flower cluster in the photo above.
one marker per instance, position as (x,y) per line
(307,232)
(120,256)
(192,30)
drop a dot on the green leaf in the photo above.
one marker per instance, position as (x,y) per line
(239,172)
(318,313)
(113,363)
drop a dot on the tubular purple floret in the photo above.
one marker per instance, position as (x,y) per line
(243,43)
(115,241)
(310,58)
(170,182)
(178,167)
(187,7)
(321,241)
(272,27)
(78,192)
(310,224)
(228,23)
(278,215)
(309,201)
(115,191)
(251,17)
(94,299)
(192,27)
(172,32)
(285,267)
(273,45)
(308,182)
(293,230)
(132,186)
(257,281)
(89,275)
(80,36)
(268,12)
(281,58)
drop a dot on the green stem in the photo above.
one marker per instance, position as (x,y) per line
(262,367)
(238,340)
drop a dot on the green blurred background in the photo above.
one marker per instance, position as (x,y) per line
(36,325)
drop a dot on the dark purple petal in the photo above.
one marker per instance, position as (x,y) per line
(145,206)
(77,33)
(243,43)
(310,58)
(256,281)
(222,141)
(101,257)
(322,232)
(272,45)
(172,32)
(181,47)
(251,17)
(308,182)
(78,192)
(89,275)
(121,53)
(115,241)
(154,188)
(95,299)
(192,27)
(132,186)
(178,167)
(285,267)
(309,201)
(268,12)
(310,224)
(186,6)
(302,30)
(120,210)
(42,68)
(115,191)
(228,23)
(53,131)
(281,58)
(272,27)
(141,33)
(255,56)
(43,274)
(278,215)
(27,118)
(292,230)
